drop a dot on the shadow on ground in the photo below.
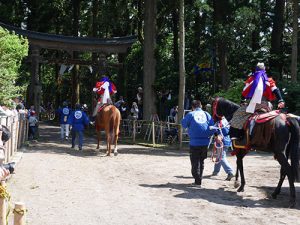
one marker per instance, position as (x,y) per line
(228,197)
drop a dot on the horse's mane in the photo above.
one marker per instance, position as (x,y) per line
(226,107)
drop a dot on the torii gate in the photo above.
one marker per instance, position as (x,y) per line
(38,41)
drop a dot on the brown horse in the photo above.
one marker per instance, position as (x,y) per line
(108,119)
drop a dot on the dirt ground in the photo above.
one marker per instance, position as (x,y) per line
(61,186)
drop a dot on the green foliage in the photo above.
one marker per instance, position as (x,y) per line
(234,92)
(12,50)
(291,94)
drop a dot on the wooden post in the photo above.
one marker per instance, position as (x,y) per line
(161,132)
(153,133)
(180,136)
(134,131)
(3,207)
(19,214)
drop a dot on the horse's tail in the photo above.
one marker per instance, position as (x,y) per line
(294,147)
(114,123)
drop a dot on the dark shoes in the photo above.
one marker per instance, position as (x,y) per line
(229,177)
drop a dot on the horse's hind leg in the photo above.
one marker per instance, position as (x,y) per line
(240,155)
(108,144)
(278,188)
(98,139)
(288,171)
(116,136)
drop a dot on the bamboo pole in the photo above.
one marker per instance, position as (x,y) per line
(3,207)
(19,214)
(134,131)
(153,133)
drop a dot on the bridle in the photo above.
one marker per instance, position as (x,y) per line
(215,106)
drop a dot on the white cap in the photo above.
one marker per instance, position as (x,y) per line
(261,66)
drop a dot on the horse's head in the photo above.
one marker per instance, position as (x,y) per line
(223,107)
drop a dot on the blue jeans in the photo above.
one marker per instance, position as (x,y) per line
(80,135)
(224,163)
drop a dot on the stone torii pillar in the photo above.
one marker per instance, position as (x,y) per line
(35,86)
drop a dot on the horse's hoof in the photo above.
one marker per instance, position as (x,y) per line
(241,189)
(292,205)
(115,153)
(236,184)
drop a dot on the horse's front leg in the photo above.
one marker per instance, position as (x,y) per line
(236,182)
(239,162)
(278,188)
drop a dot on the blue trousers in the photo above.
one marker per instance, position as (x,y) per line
(224,163)
(80,138)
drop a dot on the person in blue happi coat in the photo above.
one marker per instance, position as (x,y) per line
(78,120)
(64,114)
(198,122)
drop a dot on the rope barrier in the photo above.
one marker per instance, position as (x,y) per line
(5,195)
(20,211)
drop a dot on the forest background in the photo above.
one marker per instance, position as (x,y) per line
(224,41)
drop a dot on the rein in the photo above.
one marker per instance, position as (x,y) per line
(215,106)
(216,154)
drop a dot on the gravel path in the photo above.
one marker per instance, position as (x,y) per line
(61,186)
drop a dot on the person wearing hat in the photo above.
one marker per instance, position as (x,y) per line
(64,114)
(78,119)
(104,89)
(259,90)
(139,100)
(33,122)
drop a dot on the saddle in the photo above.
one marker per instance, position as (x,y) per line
(103,106)
(258,130)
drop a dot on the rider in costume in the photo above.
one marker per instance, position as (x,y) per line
(104,89)
(258,91)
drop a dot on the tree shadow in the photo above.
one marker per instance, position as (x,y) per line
(221,196)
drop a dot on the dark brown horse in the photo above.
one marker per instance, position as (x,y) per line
(284,143)
(108,119)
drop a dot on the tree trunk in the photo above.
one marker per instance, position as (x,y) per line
(219,19)
(181,61)
(276,63)
(75,72)
(149,59)
(294,41)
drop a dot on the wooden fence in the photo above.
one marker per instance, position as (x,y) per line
(18,126)
(153,132)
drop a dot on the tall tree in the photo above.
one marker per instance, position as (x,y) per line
(276,63)
(181,61)
(221,8)
(75,72)
(294,40)
(149,96)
